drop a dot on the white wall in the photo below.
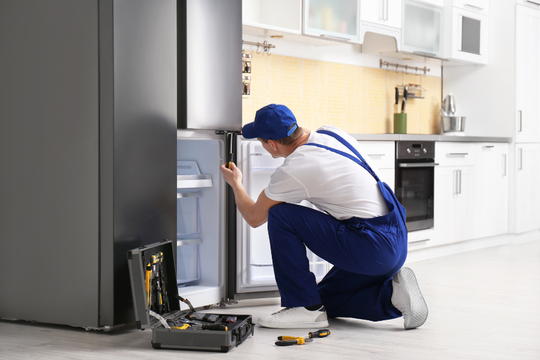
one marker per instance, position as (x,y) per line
(486,93)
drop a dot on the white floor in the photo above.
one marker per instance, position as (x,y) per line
(483,305)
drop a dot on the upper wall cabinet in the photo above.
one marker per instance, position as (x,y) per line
(381,17)
(467,31)
(332,19)
(422,28)
(272,17)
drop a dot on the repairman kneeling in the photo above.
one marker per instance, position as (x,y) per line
(358,226)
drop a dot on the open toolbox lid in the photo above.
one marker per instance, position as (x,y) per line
(138,259)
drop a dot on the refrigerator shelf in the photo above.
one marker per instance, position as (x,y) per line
(183,242)
(193,181)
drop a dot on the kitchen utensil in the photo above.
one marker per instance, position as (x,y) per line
(405,94)
(453,123)
(449,104)
(400,123)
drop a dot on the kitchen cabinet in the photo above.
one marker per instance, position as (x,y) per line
(338,20)
(272,17)
(491,189)
(527,189)
(381,17)
(421,29)
(467,31)
(381,155)
(527,74)
(454,204)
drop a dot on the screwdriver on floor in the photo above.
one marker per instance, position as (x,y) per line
(300,340)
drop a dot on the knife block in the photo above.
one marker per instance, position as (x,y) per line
(400,123)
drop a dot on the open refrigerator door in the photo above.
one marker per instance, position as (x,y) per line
(254,269)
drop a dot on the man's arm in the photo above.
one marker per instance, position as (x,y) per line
(254,212)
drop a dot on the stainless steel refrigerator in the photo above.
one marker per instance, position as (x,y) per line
(88,119)
(219,257)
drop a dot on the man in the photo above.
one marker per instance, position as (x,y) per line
(358,226)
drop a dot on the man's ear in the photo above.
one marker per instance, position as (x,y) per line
(273,144)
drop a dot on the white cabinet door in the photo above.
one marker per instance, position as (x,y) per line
(527,74)
(421,29)
(272,17)
(381,156)
(454,208)
(527,192)
(337,20)
(443,213)
(383,12)
(464,207)
(491,190)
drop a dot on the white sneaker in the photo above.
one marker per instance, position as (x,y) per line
(295,318)
(407,298)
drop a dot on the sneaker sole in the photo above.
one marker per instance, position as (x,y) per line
(417,304)
(320,324)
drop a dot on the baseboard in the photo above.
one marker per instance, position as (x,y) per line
(427,253)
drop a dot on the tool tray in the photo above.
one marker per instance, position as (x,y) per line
(168,306)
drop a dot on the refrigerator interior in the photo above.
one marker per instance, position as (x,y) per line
(201,228)
(254,266)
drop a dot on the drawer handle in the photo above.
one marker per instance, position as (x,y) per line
(419,241)
(488,147)
(418,164)
(456,154)
(474,7)
(376,155)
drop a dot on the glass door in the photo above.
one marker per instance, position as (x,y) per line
(422,29)
(333,19)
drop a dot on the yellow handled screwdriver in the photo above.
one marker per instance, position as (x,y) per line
(292,340)
(300,340)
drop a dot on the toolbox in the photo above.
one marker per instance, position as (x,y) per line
(157,306)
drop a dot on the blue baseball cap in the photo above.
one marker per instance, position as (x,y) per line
(273,122)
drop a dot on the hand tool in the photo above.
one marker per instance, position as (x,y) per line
(291,340)
(231,155)
(212,318)
(300,340)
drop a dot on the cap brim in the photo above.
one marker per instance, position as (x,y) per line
(248,131)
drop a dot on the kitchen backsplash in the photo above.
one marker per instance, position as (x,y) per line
(355,98)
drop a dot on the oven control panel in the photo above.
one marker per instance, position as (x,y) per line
(415,150)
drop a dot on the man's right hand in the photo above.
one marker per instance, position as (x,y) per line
(232,176)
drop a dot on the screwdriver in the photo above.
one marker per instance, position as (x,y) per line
(292,340)
(300,340)
(315,334)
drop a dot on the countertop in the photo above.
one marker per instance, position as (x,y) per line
(433,137)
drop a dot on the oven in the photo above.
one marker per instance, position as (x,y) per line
(414,188)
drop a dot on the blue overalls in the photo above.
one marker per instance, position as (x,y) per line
(366,254)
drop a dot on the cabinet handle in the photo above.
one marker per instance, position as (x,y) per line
(488,146)
(381,10)
(520,121)
(376,155)
(459,181)
(456,154)
(474,7)
(504,165)
(520,163)
(386,11)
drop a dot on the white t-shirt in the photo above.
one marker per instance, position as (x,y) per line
(331,182)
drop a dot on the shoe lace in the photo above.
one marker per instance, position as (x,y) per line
(282,310)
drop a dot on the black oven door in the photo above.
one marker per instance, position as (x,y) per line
(414,189)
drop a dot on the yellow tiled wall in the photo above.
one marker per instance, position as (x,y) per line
(354,98)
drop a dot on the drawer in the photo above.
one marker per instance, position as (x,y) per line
(454,153)
(477,6)
(380,153)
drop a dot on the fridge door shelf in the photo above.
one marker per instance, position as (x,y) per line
(193,181)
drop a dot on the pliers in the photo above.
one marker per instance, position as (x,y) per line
(300,340)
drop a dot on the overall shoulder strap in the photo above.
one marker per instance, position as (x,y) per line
(359,159)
